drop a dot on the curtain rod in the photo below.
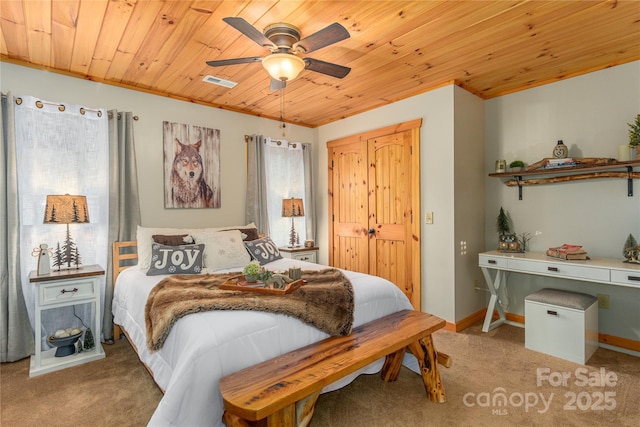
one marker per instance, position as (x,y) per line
(61,107)
(277,141)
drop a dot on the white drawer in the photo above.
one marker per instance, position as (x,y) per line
(626,277)
(67,291)
(492,261)
(572,271)
(305,256)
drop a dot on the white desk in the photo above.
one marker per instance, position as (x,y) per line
(599,270)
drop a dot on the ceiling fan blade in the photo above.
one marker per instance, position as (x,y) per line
(250,31)
(277,84)
(234,61)
(333,70)
(328,35)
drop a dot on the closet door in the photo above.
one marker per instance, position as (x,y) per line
(374,200)
(348,189)
(390,213)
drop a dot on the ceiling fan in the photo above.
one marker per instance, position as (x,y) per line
(283,40)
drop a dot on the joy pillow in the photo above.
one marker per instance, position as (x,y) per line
(184,259)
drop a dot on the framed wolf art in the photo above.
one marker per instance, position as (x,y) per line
(191,166)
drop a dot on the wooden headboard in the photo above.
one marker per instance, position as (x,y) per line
(119,257)
(121,261)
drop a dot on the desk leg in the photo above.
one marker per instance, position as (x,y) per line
(494,304)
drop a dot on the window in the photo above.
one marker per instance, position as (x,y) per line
(285,178)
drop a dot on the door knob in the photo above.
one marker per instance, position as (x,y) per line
(371,231)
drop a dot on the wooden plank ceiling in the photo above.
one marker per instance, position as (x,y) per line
(397,49)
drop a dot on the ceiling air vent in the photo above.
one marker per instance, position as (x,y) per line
(218,81)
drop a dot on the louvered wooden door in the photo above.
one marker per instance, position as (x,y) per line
(374,207)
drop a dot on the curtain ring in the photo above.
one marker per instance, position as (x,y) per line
(61,107)
(82,111)
(19,101)
(39,104)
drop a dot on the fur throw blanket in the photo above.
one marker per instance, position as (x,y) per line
(325,302)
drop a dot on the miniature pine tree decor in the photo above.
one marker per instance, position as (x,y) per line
(631,250)
(503,223)
(88,339)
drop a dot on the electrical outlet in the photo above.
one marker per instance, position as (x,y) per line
(603,301)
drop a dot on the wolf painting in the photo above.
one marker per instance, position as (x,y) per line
(188,178)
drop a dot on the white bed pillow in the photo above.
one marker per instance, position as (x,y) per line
(144,239)
(222,249)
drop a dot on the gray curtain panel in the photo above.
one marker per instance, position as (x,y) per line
(310,200)
(16,335)
(124,203)
(256,202)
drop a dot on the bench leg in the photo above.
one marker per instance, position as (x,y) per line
(425,352)
(392,365)
(285,417)
(304,409)
(231,420)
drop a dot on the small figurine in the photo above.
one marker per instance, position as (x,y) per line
(43,253)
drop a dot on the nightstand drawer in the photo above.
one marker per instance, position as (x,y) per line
(301,254)
(309,256)
(68,291)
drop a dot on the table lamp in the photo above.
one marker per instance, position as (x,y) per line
(292,208)
(66,210)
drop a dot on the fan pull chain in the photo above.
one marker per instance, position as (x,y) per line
(282,125)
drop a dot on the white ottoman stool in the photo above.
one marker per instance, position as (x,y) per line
(561,323)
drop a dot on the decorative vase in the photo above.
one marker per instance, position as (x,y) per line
(295,273)
(624,152)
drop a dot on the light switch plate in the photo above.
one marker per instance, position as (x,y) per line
(428,218)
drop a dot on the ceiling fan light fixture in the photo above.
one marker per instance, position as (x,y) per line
(283,66)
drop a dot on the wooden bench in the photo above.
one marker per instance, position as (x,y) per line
(284,390)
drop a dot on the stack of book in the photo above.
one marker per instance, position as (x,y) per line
(569,252)
(559,163)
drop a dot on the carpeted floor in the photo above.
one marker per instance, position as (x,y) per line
(488,369)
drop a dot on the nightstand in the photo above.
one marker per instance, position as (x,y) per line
(61,289)
(302,253)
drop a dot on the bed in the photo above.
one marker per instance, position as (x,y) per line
(203,347)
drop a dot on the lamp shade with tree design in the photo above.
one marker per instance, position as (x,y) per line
(292,208)
(66,209)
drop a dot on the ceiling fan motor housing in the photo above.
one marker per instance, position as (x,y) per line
(283,35)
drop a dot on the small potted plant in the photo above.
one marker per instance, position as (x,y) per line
(634,138)
(252,271)
(516,165)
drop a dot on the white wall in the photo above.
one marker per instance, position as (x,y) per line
(590,114)
(469,202)
(153,110)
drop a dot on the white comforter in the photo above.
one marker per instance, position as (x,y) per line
(204,347)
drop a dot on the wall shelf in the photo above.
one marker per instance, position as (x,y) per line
(622,170)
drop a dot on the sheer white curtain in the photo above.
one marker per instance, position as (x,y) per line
(285,178)
(61,149)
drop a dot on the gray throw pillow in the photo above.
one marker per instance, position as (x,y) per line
(263,250)
(184,259)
